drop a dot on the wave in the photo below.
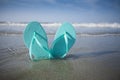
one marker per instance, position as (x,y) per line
(54,24)
(111,25)
(83,29)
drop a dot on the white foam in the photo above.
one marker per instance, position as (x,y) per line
(102,25)
(111,25)
(51,24)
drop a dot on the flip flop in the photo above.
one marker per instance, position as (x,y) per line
(64,39)
(36,41)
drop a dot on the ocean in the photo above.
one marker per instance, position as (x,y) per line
(51,28)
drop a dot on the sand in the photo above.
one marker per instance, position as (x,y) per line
(91,58)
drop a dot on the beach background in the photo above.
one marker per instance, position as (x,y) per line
(95,55)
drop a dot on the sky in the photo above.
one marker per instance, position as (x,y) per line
(84,11)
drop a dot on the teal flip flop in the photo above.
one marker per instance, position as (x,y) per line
(36,41)
(64,39)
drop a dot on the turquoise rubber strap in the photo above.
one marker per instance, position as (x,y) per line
(39,44)
(66,42)
(30,48)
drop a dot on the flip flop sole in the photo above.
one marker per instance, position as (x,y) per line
(35,39)
(64,39)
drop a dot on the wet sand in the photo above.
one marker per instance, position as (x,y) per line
(91,58)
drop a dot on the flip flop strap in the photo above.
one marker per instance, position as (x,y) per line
(30,48)
(39,44)
(66,44)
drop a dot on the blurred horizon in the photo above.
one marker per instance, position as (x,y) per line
(83,11)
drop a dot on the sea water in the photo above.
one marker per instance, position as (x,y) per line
(51,28)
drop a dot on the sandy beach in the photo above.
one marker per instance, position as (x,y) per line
(91,58)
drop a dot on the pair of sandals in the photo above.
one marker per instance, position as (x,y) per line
(36,41)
